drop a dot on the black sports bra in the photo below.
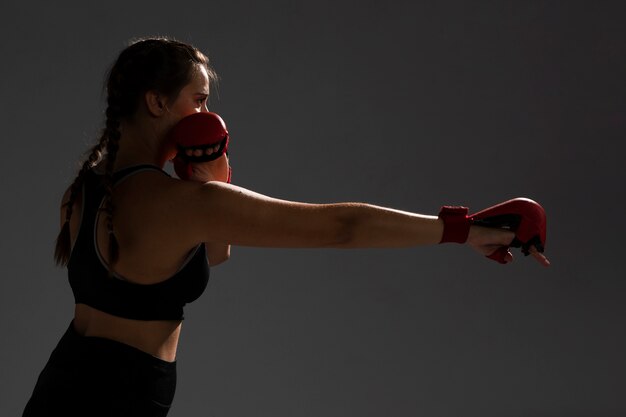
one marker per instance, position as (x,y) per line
(92,284)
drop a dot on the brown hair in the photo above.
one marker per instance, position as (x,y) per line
(159,64)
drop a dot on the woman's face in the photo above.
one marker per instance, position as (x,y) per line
(192,98)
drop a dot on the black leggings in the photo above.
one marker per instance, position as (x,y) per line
(93,376)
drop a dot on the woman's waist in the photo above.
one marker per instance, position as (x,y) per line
(158,338)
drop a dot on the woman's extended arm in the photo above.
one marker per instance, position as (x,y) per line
(220,212)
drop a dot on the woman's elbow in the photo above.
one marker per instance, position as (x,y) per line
(218,257)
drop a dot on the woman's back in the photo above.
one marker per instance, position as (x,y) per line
(141,302)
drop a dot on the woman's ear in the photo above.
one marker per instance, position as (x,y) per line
(155,103)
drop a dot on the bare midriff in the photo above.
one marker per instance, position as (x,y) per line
(158,338)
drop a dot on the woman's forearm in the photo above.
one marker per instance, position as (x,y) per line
(366,225)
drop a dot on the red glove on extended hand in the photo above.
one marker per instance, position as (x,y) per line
(200,131)
(523,216)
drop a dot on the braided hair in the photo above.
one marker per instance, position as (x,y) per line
(157,64)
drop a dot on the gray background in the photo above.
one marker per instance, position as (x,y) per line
(397,103)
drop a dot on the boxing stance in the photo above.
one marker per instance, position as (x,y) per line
(138,243)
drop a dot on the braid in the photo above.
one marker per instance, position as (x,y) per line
(64,241)
(113,133)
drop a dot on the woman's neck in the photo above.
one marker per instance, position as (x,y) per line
(138,146)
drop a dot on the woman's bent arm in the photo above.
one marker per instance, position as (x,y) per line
(217,253)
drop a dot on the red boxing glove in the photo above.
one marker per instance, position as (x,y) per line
(523,216)
(199,131)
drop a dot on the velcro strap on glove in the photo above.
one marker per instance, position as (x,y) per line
(456,224)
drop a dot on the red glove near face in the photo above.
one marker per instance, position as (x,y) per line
(204,132)
(523,216)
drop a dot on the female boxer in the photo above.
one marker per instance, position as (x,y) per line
(138,243)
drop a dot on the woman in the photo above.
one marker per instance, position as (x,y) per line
(138,243)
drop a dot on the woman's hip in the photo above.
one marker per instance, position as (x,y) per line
(96,376)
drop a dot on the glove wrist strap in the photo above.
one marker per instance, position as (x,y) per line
(456,224)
